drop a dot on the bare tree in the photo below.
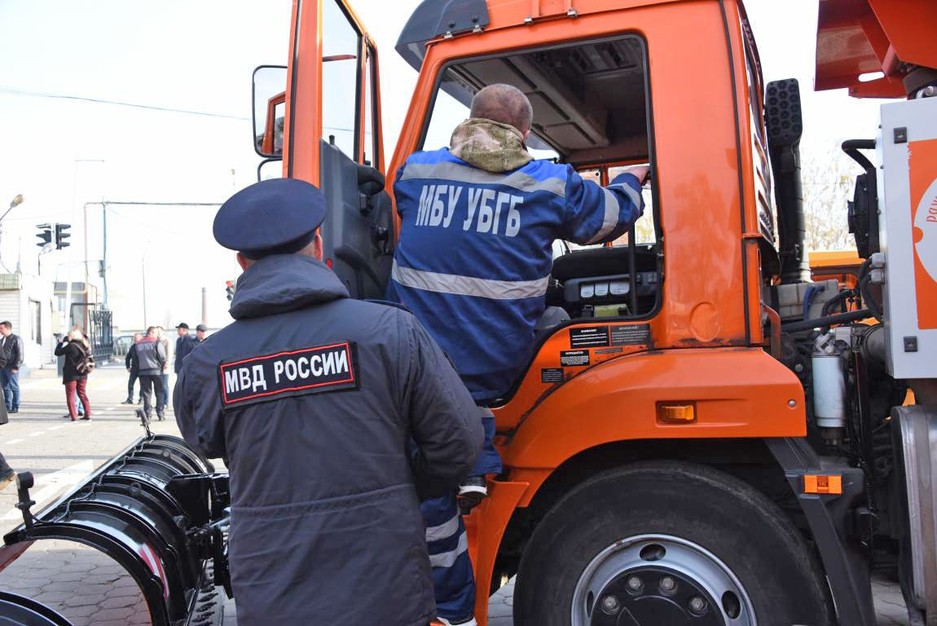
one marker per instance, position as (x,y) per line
(829,177)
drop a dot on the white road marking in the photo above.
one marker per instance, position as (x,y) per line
(39,434)
(52,486)
(11,441)
(57,427)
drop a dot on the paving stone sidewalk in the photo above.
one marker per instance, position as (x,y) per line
(89,589)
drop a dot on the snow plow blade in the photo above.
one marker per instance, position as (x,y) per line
(157,509)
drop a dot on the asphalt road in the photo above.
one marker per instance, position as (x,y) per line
(87,587)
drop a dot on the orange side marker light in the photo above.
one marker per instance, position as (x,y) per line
(676,412)
(821,483)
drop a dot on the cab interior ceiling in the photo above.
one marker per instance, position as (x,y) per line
(589,100)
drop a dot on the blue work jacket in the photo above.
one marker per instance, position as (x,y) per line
(475,252)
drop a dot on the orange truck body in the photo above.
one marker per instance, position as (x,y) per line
(701,384)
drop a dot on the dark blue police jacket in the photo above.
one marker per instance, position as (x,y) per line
(312,398)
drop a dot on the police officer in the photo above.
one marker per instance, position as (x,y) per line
(326,410)
(477,224)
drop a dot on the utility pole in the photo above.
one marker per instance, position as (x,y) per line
(143,270)
(104,253)
(68,278)
(205,305)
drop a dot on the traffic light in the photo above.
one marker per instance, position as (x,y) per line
(61,235)
(45,235)
(229,289)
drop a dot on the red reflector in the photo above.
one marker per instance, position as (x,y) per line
(328,263)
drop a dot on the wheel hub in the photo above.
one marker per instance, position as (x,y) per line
(657,580)
(652,596)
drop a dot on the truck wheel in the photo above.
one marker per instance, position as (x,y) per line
(666,543)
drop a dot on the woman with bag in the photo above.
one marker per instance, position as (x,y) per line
(78,364)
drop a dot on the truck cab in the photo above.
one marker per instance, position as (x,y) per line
(690,370)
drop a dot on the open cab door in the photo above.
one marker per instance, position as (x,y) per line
(332,137)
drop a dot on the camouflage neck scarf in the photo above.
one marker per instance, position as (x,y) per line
(489,145)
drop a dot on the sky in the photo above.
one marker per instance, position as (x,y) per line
(124,101)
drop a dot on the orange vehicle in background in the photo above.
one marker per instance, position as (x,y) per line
(842,265)
(713,437)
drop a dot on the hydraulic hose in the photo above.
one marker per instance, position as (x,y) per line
(840,318)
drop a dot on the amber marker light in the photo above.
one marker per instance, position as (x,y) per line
(823,483)
(676,412)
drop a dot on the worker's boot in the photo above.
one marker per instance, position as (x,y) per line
(472,491)
(442,621)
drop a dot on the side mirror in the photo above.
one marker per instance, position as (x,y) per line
(270,168)
(269,91)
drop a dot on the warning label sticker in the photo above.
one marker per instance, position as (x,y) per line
(631,335)
(551,375)
(574,358)
(588,337)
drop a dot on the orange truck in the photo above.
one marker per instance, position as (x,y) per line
(712,437)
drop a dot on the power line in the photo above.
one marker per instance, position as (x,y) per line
(37,94)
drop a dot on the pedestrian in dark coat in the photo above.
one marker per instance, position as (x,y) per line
(75,350)
(13,352)
(185,343)
(325,410)
(133,370)
(151,361)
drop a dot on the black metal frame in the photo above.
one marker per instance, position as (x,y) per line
(155,509)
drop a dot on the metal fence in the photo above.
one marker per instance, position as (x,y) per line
(101,334)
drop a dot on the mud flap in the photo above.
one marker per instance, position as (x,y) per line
(158,510)
(832,518)
(485,527)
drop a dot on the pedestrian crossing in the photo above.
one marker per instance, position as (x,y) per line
(53,486)
(61,453)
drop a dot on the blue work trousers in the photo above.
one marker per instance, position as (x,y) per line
(453,579)
(447,542)
(165,380)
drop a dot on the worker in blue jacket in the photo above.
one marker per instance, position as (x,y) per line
(330,413)
(478,221)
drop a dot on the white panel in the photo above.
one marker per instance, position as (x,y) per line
(908,201)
